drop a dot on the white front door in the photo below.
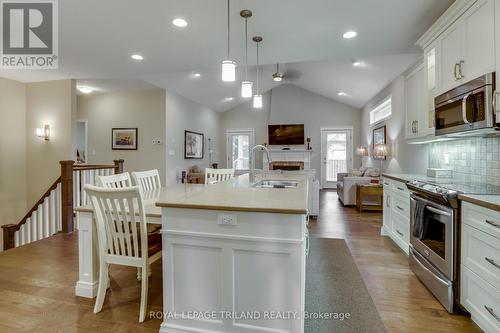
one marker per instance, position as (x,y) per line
(336,154)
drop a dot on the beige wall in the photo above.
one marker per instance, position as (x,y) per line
(12,152)
(52,103)
(183,114)
(289,104)
(142,109)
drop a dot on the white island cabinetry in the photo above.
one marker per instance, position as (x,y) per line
(236,252)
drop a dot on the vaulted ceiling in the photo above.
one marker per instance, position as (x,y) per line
(96,39)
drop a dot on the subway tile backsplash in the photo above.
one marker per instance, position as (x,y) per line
(471,159)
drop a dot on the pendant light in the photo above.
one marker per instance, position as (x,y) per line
(246,86)
(257,98)
(277,77)
(228,66)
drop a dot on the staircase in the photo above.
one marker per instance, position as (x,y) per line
(54,213)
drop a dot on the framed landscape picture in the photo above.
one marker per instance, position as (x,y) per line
(193,145)
(379,136)
(124,138)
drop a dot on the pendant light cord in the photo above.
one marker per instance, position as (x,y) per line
(228,27)
(246,49)
(258,91)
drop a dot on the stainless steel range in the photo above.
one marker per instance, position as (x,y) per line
(434,234)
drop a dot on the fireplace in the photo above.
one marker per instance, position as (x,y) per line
(287,165)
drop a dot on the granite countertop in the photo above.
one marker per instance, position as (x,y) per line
(487,201)
(238,195)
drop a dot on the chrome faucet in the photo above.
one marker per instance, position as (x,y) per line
(252,161)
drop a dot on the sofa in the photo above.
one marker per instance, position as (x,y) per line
(346,183)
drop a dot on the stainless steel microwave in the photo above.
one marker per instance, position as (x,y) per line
(469,107)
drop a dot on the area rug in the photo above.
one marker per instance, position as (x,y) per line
(336,297)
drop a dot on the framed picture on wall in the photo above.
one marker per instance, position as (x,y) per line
(379,136)
(193,145)
(124,138)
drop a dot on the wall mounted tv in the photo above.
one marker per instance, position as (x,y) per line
(286,134)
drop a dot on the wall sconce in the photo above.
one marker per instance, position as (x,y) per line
(43,132)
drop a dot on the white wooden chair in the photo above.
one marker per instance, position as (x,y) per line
(122,237)
(114,181)
(121,180)
(213,176)
(147,180)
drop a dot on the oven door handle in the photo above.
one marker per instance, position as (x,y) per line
(430,272)
(464,108)
(438,211)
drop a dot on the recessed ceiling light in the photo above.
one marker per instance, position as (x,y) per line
(137,57)
(341,93)
(349,34)
(85,89)
(179,22)
(356,63)
(228,99)
(196,74)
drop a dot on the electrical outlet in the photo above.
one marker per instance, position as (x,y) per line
(227,219)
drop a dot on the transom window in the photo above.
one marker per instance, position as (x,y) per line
(381,111)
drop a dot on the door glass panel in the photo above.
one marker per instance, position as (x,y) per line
(336,155)
(240,151)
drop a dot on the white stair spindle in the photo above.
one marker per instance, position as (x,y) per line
(59,207)
(52,224)
(34,226)
(78,189)
(22,231)
(27,231)
(17,241)
(46,217)
(40,216)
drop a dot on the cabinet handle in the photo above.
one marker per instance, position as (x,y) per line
(416,126)
(455,72)
(461,75)
(492,313)
(401,189)
(400,233)
(493,223)
(401,209)
(491,261)
(495,94)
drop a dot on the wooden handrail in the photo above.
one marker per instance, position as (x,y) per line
(10,229)
(67,204)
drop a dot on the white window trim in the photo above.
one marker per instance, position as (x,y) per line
(231,131)
(378,122)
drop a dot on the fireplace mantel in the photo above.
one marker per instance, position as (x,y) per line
(292,155)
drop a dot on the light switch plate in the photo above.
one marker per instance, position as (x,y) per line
(227,219)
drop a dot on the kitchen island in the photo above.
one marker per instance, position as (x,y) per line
(234,256)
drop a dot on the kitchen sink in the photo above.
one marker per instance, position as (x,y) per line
(270,183)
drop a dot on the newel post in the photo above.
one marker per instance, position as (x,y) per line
(118,166)
(8,236)
(67,195)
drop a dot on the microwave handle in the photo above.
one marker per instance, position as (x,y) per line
(464,108)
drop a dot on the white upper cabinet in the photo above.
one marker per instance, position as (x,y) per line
(450,53)
(467,47)
(415,106)
(479,40)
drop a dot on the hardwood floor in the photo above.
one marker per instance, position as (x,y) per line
(403,302)
(37,283)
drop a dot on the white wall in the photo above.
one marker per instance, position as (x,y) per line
(183,114)
(13,188)
(142,109)
(403,157)
(289,104)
